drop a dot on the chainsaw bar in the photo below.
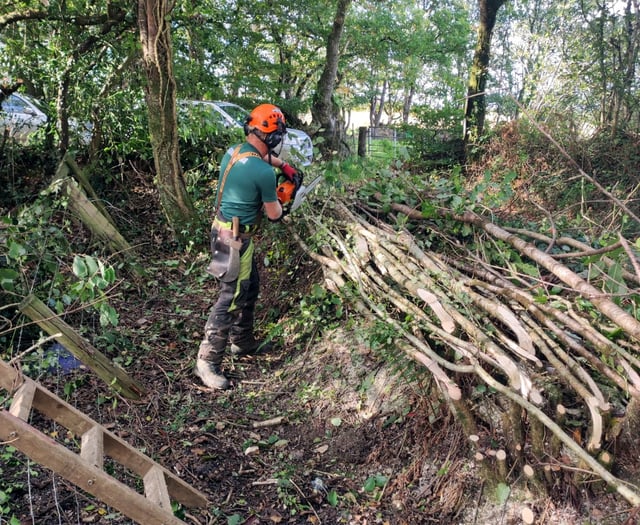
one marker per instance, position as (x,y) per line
(303,191)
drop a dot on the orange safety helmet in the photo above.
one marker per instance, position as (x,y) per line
(267,118)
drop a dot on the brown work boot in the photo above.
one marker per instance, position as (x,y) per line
(211,375)
(250,347)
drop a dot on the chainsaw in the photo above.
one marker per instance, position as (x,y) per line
(286,191)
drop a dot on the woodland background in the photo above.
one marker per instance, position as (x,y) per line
(466,288)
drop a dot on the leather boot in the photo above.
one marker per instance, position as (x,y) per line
(210,355)
(249,346)
(211,375)
(241,336)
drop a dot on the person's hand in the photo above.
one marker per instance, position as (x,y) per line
(288,171)
(297,181)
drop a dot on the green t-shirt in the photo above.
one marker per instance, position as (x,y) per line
(250,182)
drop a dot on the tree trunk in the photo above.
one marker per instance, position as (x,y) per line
(324,111)
(155,37)
(475,106)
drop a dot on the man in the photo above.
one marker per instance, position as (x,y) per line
(247,189)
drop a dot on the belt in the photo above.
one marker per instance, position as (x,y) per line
(246,230)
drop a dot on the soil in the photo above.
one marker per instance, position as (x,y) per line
(320,430)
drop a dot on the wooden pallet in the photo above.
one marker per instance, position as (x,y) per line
(86,468)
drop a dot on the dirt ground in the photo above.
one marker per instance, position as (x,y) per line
(317,431)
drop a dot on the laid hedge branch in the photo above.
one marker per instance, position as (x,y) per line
(481,321)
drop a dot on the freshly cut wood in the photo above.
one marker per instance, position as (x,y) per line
(605,305)
(448,324)
(494,332)
(501,461)
(528,517)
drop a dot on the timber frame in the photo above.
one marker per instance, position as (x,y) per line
(85,469)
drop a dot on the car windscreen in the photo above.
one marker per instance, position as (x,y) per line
(237,113)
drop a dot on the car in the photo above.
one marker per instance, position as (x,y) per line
(21,116)
(297,148)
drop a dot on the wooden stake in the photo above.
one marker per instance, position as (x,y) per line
(501,462)
(109,372)
(561,415)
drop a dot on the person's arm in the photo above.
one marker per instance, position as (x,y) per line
(287,169)
(276,162)
(273,210)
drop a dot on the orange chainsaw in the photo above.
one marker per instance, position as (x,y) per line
(295,190)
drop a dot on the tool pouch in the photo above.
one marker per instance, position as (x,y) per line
(225,255)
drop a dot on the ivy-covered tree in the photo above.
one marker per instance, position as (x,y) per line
(155,37)
(324,110)
(475,105)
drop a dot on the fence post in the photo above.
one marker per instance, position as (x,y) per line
(362,141)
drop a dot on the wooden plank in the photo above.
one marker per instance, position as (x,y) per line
(47,452)
(109,372)
(155,487)
(51,406)
(80,176)
(92,447)
(22,401)
(137,462)
(93,219)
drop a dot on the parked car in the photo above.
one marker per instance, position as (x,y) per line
(23,115)
(297,148)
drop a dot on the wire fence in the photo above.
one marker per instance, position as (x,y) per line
(376,141)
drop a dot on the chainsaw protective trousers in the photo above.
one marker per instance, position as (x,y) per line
(231,318)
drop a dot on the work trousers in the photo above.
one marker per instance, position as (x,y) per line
(231,318)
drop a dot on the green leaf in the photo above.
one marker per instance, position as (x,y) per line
(370,484)
(80,267)
(336,421)
(381,480)
(235,519)
(528,269)
(332,498)
(8,278)
(615,284)
(16,250)
(502,493)
(109,274)
(108,315)
(92,265)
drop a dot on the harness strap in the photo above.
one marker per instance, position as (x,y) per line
(235,156)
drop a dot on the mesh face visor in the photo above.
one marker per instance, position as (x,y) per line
(273,139)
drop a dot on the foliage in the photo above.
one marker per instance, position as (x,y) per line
(37,258)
